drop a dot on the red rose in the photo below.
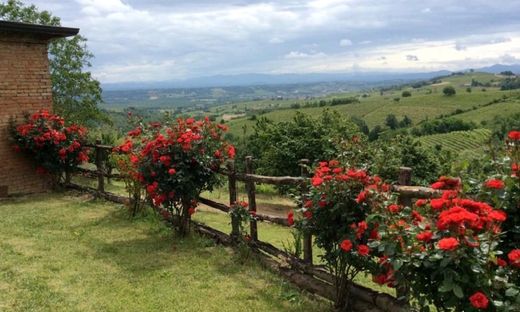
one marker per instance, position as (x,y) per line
(191,211)
(438,185)
(514,258)
(361,197)
(495,184)
(346,245)
(449,243)
(363,250)
(514,135)
(381,279)
(290,218)
(501,262)
(425,236)
(479,300)
(393,208)
(497,215)
(437,203)
(417,216)
(420,202)
(316,181)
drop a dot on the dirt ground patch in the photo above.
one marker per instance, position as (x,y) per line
(228,117)
(440,84)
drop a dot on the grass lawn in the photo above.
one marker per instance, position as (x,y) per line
(65,252)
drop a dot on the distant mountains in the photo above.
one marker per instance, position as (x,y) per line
(267,79)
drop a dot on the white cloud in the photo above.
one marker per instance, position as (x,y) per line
(276,40)
(161,39)
(296,54)
(479,40)
(345,42)
(97,7)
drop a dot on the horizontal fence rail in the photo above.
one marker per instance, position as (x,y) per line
(302,272)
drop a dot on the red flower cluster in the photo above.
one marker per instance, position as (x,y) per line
(328,171)
(446,183)
(58,148)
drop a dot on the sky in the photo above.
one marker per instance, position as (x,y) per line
(156,40)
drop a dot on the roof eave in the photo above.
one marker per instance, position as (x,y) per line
(48,32)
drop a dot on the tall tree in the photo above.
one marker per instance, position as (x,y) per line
(391,122)
(76,94)
(278,147)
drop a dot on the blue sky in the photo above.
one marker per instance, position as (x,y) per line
(151,40)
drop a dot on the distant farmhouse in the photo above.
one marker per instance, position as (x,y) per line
(25,87)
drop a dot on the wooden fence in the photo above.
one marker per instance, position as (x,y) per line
(302,272)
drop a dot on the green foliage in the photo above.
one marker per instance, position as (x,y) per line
(363,127)
(279,147)
(510,84)
(444,125)
(502,124)
(449,91)
(391,122)
(507,73)
(76,94)
(406,93)
(107,136)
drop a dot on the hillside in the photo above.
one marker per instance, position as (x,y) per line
(426,103)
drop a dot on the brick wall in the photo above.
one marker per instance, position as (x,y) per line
(25,86)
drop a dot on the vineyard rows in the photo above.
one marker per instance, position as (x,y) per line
(458,141)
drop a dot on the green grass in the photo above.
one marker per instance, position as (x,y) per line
(64,252)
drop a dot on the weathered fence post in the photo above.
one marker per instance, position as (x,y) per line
(235,226)
(99,167)
(404,178)
(307,239)
(250,185)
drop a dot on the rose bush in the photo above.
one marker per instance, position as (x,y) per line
(332,213)
(444,250)
(457,251)
(240,213)
(175,161)
(57,149)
